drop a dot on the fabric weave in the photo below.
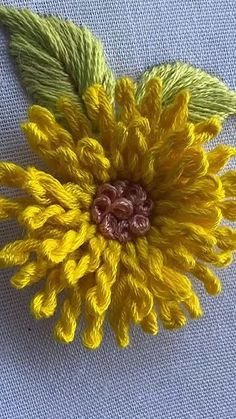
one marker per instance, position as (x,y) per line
(183,374)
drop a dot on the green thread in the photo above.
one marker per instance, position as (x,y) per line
(209,95)
(55,57)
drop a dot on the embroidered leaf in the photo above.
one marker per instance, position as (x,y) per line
(55,57)
(209,95)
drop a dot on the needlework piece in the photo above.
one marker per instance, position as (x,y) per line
(133,204)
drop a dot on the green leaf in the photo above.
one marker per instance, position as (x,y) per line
(209,95)
(55,57)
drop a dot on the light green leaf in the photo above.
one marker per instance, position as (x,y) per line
(209,95)
(55,57)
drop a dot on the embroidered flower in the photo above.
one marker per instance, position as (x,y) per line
(132,207)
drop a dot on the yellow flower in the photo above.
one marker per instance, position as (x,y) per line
(133,206)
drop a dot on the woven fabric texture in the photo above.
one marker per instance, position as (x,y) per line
(185,374)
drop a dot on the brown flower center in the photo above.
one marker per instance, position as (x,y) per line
(121,210)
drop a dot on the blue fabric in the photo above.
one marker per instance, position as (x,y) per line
(185,374)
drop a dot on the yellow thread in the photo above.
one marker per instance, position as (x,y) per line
(29,274)
(79,124)
(175,115)
(144,280)
(125,97)
(100,111)
(206,130)
(98,298)
(93,333)
(91,155)
(44,303)
(150,106)
(149,323)
(229,183)
(11,208)
(65,328)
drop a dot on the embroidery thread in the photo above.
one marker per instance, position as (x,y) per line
(134,202)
